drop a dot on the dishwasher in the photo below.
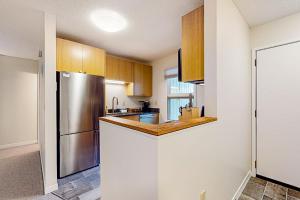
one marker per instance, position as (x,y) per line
(151,118)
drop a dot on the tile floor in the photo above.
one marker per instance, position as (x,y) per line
(81,186)
(258,189)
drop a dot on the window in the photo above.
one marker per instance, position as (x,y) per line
(178,93)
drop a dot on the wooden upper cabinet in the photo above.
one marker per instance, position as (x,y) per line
(119,69)
(147,78)
(138,80)
(193,45)
(126,71)
(93,61)
(76,57)
(69,56)
(112,72)
(142,81)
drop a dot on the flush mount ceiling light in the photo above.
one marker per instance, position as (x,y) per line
(108,20)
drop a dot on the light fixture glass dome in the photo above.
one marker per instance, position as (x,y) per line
(108,20)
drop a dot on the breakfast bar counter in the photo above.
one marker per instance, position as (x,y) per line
(158,129)
(136,157)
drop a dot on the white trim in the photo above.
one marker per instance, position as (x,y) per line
(276,44)
(242,186)
(50,188)
(18,144)
(253,91)
(253,118)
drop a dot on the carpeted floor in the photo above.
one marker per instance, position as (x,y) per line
(20,174)
(21,178)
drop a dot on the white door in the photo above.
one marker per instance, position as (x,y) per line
(278,113)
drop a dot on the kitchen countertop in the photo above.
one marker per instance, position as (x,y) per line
(129,114)
(132,112)
(158,129)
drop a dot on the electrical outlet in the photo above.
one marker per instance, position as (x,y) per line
(202,195)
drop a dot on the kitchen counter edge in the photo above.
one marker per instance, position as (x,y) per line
(158,129)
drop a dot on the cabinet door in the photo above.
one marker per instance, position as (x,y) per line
(69,56)
(193,45)
(126,70)
(132,117)
(138,84)
(142,81)
(147,80)
(93,61)
(112,72)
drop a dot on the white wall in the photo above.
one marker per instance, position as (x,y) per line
(210,57)
(18,102)
(21,30)
(214,157)
(280,31)
(128,164)
(117,90)
(47,113)
(160,92)
(276,32)
(225,148)
(159,85)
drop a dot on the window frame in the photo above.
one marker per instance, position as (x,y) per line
(178,95)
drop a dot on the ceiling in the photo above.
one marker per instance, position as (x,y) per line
(153,25)
(257,12)
(21,31)
(153,31)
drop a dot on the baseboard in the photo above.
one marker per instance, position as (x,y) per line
(18,144)
(50,188)
(242,186)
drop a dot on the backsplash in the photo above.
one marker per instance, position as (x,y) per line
(119,91)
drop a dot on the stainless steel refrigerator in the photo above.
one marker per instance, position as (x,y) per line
(80,101)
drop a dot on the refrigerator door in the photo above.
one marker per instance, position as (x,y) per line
(78,152)
(81,102)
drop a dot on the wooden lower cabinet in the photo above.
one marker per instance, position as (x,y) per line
(132,117)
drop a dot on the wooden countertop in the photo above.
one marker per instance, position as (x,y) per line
(158,129)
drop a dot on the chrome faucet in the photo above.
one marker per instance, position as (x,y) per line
(113,103)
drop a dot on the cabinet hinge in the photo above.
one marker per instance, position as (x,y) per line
(255,62)
(255,113)
(255,164)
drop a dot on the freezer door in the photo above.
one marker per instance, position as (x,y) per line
(78,152)
(81,102)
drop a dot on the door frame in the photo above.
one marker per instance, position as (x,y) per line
(254,100)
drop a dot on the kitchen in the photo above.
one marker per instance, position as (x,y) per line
(127,92)
(162,102)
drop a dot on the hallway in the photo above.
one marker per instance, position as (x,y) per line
(21,178)
(21,173)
